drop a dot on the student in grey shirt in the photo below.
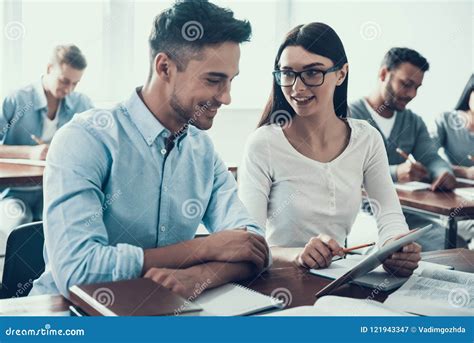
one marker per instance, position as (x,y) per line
(400,76)
(455,133)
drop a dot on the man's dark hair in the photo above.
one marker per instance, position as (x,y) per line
(396,56)
(463,102)
(183,30)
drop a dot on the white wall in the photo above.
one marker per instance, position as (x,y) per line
(440,30)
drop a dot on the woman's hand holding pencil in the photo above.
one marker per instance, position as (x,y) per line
(318,252)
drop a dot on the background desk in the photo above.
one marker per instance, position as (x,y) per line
(443,205)
(297,284)
(14,175)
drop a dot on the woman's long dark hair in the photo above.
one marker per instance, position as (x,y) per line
(463,102)
(317,38)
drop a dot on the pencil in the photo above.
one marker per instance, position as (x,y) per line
(37,140)
(346,250)
(406,156)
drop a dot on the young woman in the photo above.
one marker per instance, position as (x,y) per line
(304,166)
(455,133)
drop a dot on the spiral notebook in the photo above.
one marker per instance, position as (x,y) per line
(234,300)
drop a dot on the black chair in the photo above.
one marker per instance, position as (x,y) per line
(23,260)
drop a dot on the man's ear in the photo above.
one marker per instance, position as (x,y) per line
(49,68)
(342,74)
(383,73)
(164,67)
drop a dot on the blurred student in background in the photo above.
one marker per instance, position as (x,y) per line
(29,117)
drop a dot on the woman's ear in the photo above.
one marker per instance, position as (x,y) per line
(342,73)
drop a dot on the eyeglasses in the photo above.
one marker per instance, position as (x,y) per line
(310,77)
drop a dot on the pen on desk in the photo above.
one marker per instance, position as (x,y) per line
(406,156)
(346,250)
(37,140)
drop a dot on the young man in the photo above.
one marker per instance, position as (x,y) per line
(126,189)
(400,76)
(29,117)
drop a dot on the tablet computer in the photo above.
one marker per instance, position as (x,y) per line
(375,259)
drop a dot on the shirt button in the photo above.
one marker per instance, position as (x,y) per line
(149,141)
(165,134)
(165,188)
(163,151)
(163,228)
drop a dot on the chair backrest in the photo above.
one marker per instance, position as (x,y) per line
(24,260)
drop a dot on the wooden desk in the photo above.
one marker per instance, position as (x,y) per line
(14,175)
(299,285)
(444,205)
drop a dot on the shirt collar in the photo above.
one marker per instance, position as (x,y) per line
(150,127)
(67,101)
(40,101)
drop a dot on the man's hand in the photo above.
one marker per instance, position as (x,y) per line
(318,252)
(404,262)
(470,173)
(445,181)
(39,152)
(464,172)
(237,245)
(185,282)
(409,171)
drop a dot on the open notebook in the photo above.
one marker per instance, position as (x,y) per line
(332,305)
(233,300)
(412,186)
(143,297)
(436,293)
(466,181)
(465,192)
